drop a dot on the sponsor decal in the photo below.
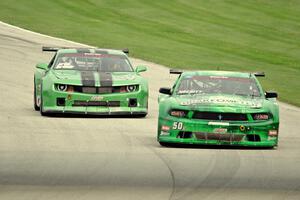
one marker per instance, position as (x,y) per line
(38,101)
(99,51)
(96,98)
(83,50)
(126,77)
(226,101)
(165,128)
(220,130)
(92,55)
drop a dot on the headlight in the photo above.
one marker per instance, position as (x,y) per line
(131,88)
(62,87)
(260,116)
(178,113)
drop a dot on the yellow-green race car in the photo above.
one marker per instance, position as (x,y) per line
(218,108)
(90,82)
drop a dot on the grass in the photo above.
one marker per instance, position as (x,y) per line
(248,35)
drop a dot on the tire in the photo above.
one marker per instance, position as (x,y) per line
(36,107)
(141,115)
(164,144)
(41,105)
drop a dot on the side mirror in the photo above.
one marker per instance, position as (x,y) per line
(271,94)
(165,91)
(140,68)
(43,66)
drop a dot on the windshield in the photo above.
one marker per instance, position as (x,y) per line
(93,62)
(218,85)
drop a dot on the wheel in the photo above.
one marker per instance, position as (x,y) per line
(164,144)
(41,104)
(140,115)
(36,107)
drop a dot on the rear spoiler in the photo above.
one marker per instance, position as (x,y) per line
(126,50)
(259,74)
(176,71)
(55,49)
(179,71)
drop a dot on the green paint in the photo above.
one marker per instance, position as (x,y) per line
(47,93)
(226,116)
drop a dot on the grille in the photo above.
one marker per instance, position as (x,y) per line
(97,103)
(220,116)
(219,136)
(96,90)
(101,90)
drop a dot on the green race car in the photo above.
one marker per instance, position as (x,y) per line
(218,108)
(90,81)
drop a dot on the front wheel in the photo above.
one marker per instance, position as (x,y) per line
(140,115)
(165,144)
(36,107)
(41,104)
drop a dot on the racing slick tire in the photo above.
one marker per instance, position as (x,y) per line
(41,104)
(141,115)
(164,144)
(36,107)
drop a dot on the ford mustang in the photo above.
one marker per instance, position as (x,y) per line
(90,81)
(218,108)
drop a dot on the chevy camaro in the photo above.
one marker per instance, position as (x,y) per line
(90,81)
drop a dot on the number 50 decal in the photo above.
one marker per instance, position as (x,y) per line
(177,125)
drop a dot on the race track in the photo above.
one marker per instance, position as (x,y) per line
(97,158)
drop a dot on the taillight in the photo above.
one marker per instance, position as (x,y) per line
(260,116)
(178,113)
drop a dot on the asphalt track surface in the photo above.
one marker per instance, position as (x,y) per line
(119,158)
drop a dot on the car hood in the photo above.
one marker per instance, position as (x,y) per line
(219,101)
(75,77)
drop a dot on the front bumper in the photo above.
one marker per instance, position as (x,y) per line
(114,113)
(95,104)
(204,132)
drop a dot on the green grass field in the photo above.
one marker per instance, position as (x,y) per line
(242,35)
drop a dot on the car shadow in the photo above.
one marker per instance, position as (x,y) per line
(58,115)
(216,147)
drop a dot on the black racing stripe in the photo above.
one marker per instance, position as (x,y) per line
(105,79)
(87,78)
(83,50)
(101,51)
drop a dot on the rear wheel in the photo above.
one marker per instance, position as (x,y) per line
(36,107)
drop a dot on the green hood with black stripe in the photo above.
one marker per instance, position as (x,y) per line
(74,77)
